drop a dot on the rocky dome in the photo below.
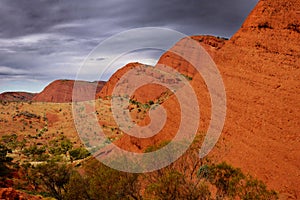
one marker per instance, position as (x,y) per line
(60,91)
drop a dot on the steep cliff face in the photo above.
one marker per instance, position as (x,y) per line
(260,68)
(60,91)
(16,96)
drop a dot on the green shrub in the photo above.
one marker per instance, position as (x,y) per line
(231,182)
(174,185)
(101,182)
(62,147)
(34,151)
(51,178)
(79,153)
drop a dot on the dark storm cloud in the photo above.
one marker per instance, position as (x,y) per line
(49,39)
(19,18)
(216,17)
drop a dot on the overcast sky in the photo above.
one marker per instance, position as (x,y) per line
(44,40)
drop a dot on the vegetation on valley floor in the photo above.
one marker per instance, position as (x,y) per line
(60,177)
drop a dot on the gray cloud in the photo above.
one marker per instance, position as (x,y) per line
(49,39)
(7,71)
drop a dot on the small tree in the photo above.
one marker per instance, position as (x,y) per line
(103,182)
(173,185)
(231,182)
(66,145)
(77,187)
(255,189)
(224,177)
(53,178)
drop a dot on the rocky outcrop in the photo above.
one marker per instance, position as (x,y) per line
(60,91)
(108,88)
(16,96)
(260,69)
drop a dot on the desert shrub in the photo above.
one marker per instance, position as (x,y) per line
(66,145)
(151,102)
(174,185)
(79,153)
(231,182)
(10,140)
(96,180)
(224,177)
(51,178)
(60,147)
(255,189)
(27,115)
(42,157)
(34,151)
(22,144)
(77,187)
(101,181)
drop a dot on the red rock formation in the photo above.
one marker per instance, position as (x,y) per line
(142,94)
(210,43)
(16,96)
(60,91)
(260,69)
